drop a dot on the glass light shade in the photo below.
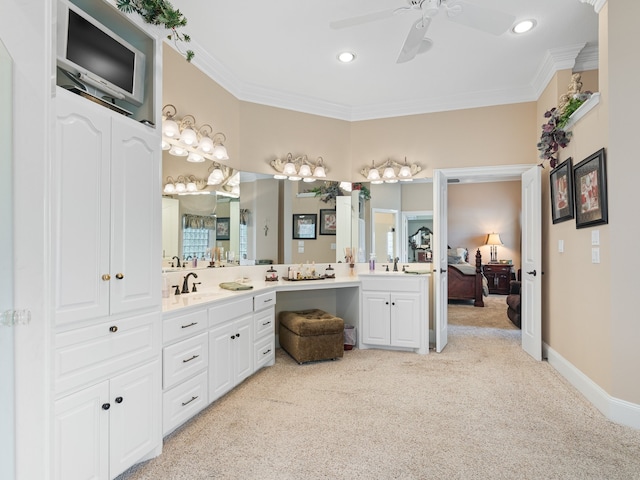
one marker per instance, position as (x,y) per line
(181,187)
(388,173)
(170,128)
(178,151)
(376,182)
(308,179)
(191,187)
(195,157)
(373,174)
(319,172)
(391,180)
(206,145)
(279,176)
(405,172)
(216,177)
(189,137)
(305,170)
(289,169)
(220,152)
(165,145)
(294,178)
(169,188)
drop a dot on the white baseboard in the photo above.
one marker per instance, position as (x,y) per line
(616,410)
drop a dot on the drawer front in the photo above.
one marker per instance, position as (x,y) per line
(263,323)
(182,402)
(228,311)
(264,300)
(183,359)
(265,352)
(395,283)
(89,354)
(182,326)
(504,269)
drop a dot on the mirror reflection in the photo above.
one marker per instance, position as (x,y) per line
(389,220)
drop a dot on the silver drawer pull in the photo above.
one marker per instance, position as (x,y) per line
(268,300)
(267,352)
(189,359)
(190,325)
(266,323)
(189,401)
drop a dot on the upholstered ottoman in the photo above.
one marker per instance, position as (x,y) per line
(311,335)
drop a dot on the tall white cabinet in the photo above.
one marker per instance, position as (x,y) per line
(106,239)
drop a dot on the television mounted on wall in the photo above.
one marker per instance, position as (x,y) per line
(97,57)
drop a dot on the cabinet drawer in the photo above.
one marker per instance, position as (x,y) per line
(394,283)
(182,326)
(183,359)
(263,323)
(504,269)
(88,354)
(265,352)
(183,401)
(264,300)
(228,311)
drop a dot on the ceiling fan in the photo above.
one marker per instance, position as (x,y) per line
(470,15)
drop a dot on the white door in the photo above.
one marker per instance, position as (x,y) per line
(440,257)
(531,264)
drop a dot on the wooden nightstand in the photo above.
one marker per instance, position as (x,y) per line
(498,277)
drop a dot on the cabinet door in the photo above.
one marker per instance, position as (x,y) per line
(243,348)
(376,328)
(81,435)
(221,376)
(405,320)
(135,217)
(81,209)
(136,417)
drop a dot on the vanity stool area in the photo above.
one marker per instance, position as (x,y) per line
(311,335)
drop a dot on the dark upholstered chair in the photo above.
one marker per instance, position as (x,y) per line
(513,302)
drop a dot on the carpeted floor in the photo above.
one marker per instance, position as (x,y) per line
(481,409)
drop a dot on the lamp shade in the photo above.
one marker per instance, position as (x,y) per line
(493,239)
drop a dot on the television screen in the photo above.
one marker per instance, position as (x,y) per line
(91,48)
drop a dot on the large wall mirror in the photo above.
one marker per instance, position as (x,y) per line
(257,227)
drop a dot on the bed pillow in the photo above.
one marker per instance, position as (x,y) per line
(463,254)
(453,258)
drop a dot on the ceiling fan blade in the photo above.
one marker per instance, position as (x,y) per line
(414,40)
(481,18)
(362,19)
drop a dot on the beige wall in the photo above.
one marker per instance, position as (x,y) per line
(480,208)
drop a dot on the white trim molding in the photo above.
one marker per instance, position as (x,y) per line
(597,4)
(616,410)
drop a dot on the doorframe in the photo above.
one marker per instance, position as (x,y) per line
(497,173)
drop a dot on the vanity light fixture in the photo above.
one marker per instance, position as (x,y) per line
(299,168)
(390,171)
(183,138)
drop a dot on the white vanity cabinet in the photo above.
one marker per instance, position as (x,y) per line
(264,319)
(104,429)
(185,362)
(106,218)
(395,312)
(230,345)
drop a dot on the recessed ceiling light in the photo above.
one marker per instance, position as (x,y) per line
(524,26)
(346,57)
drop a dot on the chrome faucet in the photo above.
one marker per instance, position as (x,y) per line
(178,259)
(395,264)
(185,284)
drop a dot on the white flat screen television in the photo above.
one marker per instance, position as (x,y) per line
(98,57)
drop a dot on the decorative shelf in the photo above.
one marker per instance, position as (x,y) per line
(585,108)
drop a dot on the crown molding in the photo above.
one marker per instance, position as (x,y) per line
(570,57)
(596,4)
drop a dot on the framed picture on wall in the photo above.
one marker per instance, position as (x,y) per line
(222,228)
(304,225)
(327,222)
(590,190)
(561,188)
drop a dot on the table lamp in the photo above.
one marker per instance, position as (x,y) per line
(493,239)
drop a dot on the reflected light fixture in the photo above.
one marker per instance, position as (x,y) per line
(183,138)
(493,240)
(390,171)
(299,168)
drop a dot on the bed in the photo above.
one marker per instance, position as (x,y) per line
(466,281)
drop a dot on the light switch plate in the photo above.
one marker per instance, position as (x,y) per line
(333,246)
(595,237)
(595,255)
(560,246)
